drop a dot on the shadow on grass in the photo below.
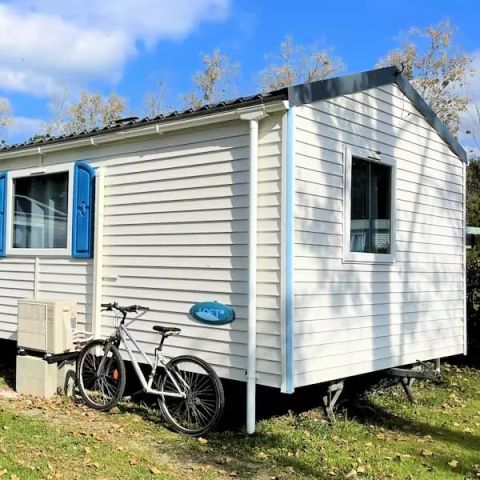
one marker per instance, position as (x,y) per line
(291,432)
(243,450)
(365,412)
(233,451)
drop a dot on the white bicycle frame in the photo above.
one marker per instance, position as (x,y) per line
(125,335)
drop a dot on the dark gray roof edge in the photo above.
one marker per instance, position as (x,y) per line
(357,82)
(204,110)
(430,116)
(338,86)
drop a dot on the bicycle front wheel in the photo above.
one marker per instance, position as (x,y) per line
(202,408)
(100,375)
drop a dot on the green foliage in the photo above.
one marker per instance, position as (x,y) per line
(473,307)
(473,194)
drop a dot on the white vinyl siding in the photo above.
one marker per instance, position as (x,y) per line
(176,233)
(68,278)
(53,277)
(356,318)
(17,281)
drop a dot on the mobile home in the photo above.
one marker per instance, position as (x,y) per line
(330,215)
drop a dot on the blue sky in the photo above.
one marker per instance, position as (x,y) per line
(127,45)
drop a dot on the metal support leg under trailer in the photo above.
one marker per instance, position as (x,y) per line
(421,370)
(330,399)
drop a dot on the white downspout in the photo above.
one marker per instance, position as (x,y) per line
(98,255)
(252,279)
(253,119)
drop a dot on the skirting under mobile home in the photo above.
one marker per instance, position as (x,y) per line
(329,215)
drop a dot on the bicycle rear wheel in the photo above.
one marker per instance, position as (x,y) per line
(100,375)
(202,408)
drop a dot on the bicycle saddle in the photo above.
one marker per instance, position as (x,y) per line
(164,330)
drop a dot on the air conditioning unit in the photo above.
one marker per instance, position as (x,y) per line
(46,325)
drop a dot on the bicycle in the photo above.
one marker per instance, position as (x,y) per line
(190,394)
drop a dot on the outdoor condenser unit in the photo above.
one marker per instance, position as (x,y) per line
(46,325)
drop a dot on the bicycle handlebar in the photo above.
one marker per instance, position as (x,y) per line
(131,308)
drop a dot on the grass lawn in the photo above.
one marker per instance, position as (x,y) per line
(384,437)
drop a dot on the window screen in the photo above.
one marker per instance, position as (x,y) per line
(370,220)
(40,217)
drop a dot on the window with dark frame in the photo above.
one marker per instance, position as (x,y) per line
(370,211)
(40,215)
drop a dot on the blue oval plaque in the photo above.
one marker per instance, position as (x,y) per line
(214,313)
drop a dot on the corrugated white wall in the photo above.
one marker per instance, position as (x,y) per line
(355,318)
(175,233)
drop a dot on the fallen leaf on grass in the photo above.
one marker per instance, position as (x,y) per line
(3,472)
(426,453)
(453,463)
(132,461)
(155,471)
(202,441)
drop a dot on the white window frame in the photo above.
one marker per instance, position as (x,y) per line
(361,257)
(31,172)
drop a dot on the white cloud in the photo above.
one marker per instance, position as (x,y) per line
(148,20)
(48,43)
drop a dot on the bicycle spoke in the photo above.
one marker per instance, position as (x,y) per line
(99,375)
(199,408)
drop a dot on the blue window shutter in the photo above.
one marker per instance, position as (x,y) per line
(83,210)
(3,213)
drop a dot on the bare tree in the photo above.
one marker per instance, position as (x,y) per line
(438,69)
(5,118)
(213,83)
(155,102)
(298,64)
(92,110)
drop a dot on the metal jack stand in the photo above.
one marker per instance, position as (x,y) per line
(334,390)
(421,371)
